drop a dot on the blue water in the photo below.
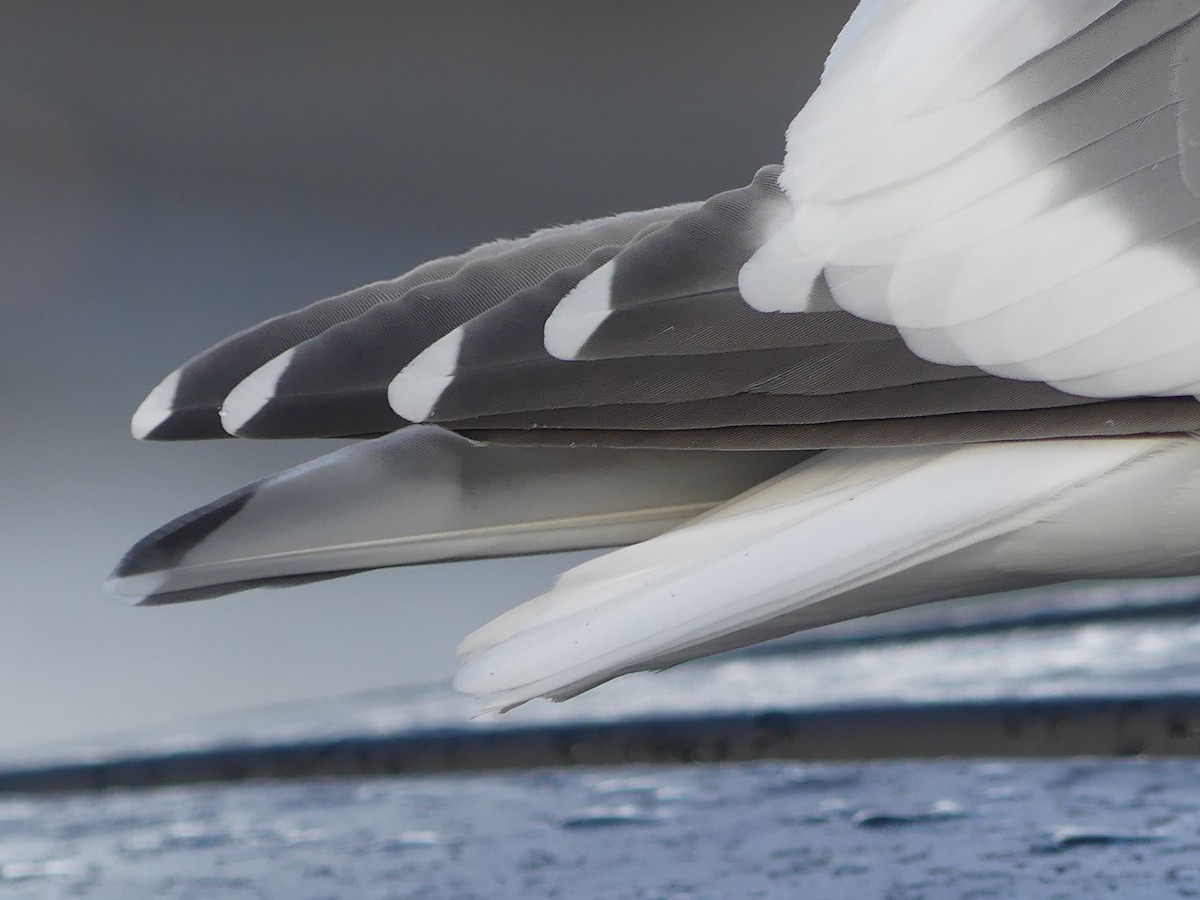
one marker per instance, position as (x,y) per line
(896,830)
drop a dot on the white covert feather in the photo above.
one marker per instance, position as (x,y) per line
(968,174)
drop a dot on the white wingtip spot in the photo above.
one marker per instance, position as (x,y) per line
(132,590)
(779,277)
(156,408)
(253,392)
(579,314)
(414,393)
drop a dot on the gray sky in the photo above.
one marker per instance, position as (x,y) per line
(170,173)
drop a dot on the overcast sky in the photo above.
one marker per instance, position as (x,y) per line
(170,173)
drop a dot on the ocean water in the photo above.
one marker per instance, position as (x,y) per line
(893,828)
(1069,829)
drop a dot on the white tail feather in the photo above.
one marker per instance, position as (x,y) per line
(841,521)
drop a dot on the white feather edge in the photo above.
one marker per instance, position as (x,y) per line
(860,21)
(415,391)
(253,392)
(156,408)
(843,520)
(579,313)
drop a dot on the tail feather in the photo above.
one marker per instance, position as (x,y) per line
(836,524)
(425,495)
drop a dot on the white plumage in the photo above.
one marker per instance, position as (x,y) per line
(1053,139)
(828,533)
(929,348)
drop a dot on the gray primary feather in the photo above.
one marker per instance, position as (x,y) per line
(336,383)
(205,380)
(675,292)
(699,359)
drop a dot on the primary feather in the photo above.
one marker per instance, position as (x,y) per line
(949,347)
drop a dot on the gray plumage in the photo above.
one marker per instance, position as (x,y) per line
(965,311)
